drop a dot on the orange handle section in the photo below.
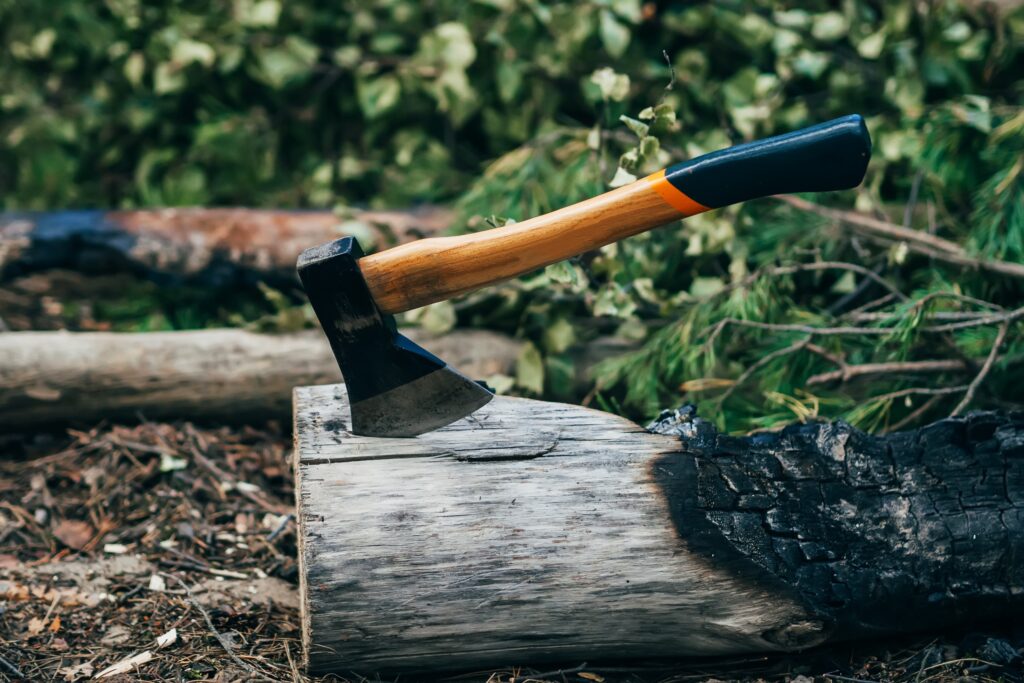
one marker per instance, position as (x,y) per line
(439,268)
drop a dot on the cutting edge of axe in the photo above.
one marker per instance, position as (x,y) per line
(398,389)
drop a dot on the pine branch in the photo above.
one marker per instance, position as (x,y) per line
(917,241)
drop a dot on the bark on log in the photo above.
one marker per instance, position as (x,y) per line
(533,532)
(53,379)
(215,246)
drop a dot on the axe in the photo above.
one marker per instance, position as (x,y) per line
(396,388)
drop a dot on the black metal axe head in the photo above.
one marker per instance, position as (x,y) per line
(395,388)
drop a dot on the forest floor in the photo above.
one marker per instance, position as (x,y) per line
(165,552)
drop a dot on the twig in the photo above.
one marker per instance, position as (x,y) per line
(985,369)
(280,527)
(929,391)
(790,327)
(842,265)
(1006,318)
(850,371)
(847,679)
(291,663)
(805,267)
(559,672)
(764,360)
(716,329)
(920,242)
(672,79)
(213,629)
(10,668)
(875,316)
(909,419)
(915,188)
(874,226)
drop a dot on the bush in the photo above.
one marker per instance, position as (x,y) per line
(510,108)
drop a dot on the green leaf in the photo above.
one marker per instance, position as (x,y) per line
(614,34)
(612,86)
(437,318)
(639,128)
(510,78)
(829,26)
(261,13)
(186,52)
(289,62)
(559,336)
(530,369)
(378,95)
(167,78)
(134,68)
(621,177)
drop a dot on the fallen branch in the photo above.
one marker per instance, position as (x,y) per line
(52,379)
(917,241)
(211,245)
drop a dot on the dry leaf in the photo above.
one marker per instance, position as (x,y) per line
(55,625)
(157,583)
(115,635)
(73,673)
(591,677)
(74,533)
(35,626)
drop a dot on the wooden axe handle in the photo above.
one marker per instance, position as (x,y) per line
(829,156)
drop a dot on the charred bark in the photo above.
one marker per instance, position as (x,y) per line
(874,534)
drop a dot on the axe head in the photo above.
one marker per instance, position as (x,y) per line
(395,387)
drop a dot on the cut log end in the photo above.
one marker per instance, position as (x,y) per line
(542,532)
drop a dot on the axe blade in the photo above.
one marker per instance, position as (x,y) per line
(395,387)
(421,405)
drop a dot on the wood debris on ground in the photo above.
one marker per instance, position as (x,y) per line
(167,552)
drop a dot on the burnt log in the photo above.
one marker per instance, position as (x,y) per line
(210,246)
(60,379)
(533,532)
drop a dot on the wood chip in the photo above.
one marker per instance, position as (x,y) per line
(157,583)
(167,639)
(126,665)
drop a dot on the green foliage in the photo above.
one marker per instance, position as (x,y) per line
(511,108)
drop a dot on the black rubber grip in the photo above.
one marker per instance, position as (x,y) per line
(829,156)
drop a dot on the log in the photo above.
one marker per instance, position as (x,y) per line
(534,532)
(56,379)
(211,246)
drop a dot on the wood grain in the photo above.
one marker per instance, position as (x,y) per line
(529,531)
(438,268)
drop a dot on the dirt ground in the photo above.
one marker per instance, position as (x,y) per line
(167,553)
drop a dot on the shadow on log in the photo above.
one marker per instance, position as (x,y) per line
(211,246)
(535,532)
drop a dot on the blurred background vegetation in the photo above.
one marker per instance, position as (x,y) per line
(760,314)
